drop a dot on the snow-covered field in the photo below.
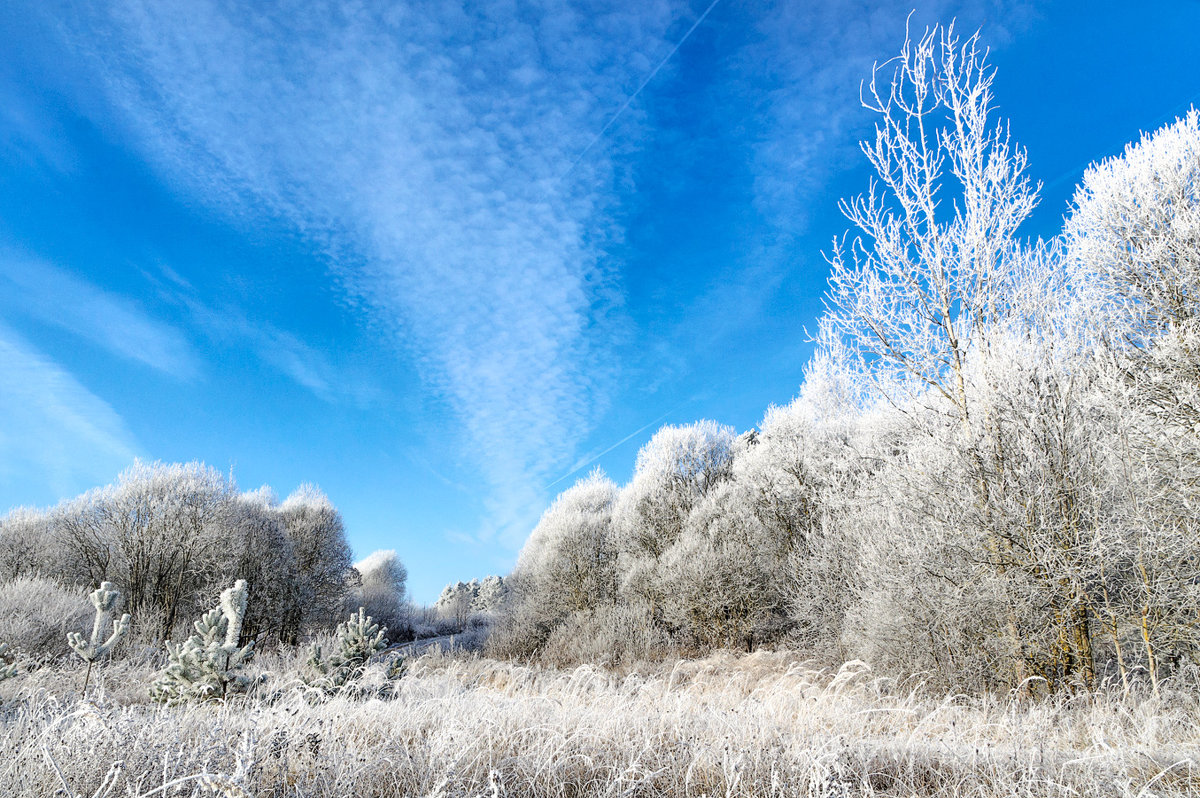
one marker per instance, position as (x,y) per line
(756,725)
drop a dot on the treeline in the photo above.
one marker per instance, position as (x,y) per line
(991,473)
(172,537)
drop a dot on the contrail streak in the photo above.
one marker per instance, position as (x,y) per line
(1119,147)
(580,466)
(629,100)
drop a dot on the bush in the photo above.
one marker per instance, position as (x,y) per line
(615,636)
(37,613)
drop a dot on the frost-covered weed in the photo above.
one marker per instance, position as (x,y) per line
(758,725)
(8,662)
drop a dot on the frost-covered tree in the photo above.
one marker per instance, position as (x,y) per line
(381,589)
(36,613)
(493,592)
(722,581)
(569,562)
(457,600)
(26,546)
(673,473)
(800,480)
(208,665)
(1135,231)
(924,296)
(165,522)
(991,470)
(169,534)
(358,638)
(256,549)
(926,285)
(322,559)
(155,532)
(1133,239)
(1134,242)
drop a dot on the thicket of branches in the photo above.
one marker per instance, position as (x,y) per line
(171,537)
(991,471)
(989,475)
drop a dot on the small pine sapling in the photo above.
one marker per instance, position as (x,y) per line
(207,666)
(104,599)
(358,639)
(8,662)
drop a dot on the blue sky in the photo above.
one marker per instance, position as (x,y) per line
(441,259)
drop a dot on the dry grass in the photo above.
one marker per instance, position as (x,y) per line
(757,725)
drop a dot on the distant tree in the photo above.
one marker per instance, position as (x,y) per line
(457,601)
(322,556)
(493,592)
(382,590)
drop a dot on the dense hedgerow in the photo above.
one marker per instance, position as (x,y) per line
(990,472)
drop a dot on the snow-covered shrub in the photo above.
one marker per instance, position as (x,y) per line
(358,639)
(208,665)
(37,613)
(616,635)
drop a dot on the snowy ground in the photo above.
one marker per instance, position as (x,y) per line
(759,725)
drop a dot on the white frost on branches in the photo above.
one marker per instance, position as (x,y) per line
(207,665)
(92,648)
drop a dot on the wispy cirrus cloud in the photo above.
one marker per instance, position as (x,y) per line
(53,430)
(39,290)
(802,72)
(817,55)
(423,146)
(280,349)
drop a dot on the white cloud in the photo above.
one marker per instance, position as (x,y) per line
(56,297)
(52,428)
(421,144)
(281,350)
